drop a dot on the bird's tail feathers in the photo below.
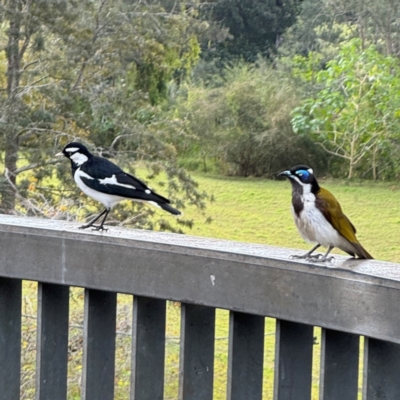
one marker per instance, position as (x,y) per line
(361,252)
(170,209)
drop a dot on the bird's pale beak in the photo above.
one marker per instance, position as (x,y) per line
(284,173)
(59,154)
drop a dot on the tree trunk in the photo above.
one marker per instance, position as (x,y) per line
(351,158)
(374,163)
(11,110)
(351,170)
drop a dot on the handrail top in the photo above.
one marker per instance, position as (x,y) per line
(343,267)
(355,296)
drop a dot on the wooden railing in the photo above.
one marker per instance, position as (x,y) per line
(348,299)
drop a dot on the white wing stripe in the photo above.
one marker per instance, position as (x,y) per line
(113,181)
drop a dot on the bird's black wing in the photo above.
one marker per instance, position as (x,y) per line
(111,179)
(100,168)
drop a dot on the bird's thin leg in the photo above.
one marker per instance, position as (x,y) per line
(101,226)
(90,224)
(308,254)
(325,256)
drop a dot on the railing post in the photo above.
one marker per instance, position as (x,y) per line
(293,361)
(52,342)
(10,338)
(246,354)
(381,370)
(196,352)
(339,365)
(148,348)
(99,345)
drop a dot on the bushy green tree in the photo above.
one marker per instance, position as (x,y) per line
(243,125)
(255,28)
(355,115)
(95,71)
(322,25)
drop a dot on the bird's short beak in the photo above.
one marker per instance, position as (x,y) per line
(284,173)
(59,154)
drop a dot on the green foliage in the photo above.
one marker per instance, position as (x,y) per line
(243,125)
(354,115)
(318,29)
(323,24)
(255,27)
(98,72)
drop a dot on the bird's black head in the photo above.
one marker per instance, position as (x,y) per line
(302,176)
(73,148)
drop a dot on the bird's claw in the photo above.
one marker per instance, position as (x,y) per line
(315,257)
(321,258)
(307,256)
(98,228)
(295,256)
(328,259)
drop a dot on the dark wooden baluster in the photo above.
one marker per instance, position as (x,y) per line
(196,352)
(148,349)
(99,345)
(10,338)
(246,356)
(293,361)
(52,342)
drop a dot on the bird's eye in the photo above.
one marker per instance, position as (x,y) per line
(303,174)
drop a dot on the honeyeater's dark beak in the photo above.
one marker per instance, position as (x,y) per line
(285,173)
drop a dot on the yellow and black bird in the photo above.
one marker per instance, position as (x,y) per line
(319,217)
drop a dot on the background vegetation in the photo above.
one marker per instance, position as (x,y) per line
(240,88)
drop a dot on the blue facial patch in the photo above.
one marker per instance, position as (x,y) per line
(303,174)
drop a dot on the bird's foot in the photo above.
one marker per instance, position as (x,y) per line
(313,257)
(327,259)
(306,256)
(84,226)
(99,228)
(323,258)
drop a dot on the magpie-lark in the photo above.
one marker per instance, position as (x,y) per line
(105,182)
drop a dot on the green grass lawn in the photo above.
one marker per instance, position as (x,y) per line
(248,210)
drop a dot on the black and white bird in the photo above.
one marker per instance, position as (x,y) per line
(105,182)
(319,217)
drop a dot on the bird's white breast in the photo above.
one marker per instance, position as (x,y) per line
(108,200)
(314,227)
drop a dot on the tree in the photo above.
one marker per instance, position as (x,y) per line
(96,71)
(255,28)
(376,22)
(243,125)
(354,116)
(323,24)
